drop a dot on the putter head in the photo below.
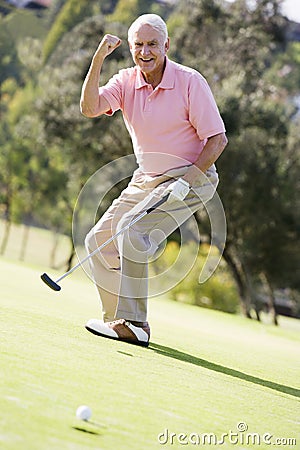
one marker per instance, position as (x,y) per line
(46,279)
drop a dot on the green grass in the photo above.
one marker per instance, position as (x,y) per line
(205,371)
(39,246)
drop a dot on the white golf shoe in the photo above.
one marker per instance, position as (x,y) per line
(121,330)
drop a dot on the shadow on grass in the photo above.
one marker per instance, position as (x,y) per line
(181,356)
(84,430)
(90,428)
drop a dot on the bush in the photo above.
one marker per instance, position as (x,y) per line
(218,292)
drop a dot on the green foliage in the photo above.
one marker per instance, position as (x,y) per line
(53,11)
(219,292)
(70,15)
(75,146)
(24,23)
(127,11)
(108,6)
(9,63)
(21,103)
(58,105)
(30,54)
(48,149)
(241,51)
(285,70)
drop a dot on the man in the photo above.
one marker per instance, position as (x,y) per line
(177,135)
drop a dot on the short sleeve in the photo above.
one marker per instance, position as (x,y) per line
(204,114)
(112,92)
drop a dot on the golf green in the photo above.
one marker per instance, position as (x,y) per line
(208,379)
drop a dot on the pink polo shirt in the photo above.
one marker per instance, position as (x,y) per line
(169,125)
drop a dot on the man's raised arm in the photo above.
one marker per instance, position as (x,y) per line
(91,103)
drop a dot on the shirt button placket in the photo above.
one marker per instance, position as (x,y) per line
(148,104)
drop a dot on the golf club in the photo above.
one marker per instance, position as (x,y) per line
(54,284)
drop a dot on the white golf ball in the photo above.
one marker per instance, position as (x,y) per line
(83,412)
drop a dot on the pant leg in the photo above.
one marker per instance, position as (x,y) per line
(142,239)
(120,270)
(105,265)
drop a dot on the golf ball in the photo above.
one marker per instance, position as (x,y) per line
(83,412)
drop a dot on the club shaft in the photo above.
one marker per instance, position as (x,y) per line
(102,246)
(132,222)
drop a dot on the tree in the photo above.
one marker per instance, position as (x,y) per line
(84,144)
(9,63)
(235,49)
(70,14)
(127,11)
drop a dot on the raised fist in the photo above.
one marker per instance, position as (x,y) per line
(108,44)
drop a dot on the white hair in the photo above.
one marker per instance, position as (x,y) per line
(153,20)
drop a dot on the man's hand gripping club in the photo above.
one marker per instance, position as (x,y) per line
(178,190)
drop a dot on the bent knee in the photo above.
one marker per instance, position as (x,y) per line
(108,256)
(90,240)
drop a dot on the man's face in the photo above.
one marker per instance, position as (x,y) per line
(148,50)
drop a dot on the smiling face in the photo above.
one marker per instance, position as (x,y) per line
(148,49)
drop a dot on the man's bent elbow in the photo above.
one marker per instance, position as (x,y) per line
(86,111)
(223,140)
(94,108)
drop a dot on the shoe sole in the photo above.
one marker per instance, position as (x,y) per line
(128,341)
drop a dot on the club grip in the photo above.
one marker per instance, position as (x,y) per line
(160,202)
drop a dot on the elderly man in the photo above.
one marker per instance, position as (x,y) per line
(177,135)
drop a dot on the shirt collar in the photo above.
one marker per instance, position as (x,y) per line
(168,79)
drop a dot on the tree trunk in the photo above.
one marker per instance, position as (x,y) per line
(251,298)
(7,226)
(7,217)
(72,254)
(54,249)
(5,237)
(26,229)
(271,298)
(240,279)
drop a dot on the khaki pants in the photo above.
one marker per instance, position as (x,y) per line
(120,270)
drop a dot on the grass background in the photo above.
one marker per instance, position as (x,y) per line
(204,372)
